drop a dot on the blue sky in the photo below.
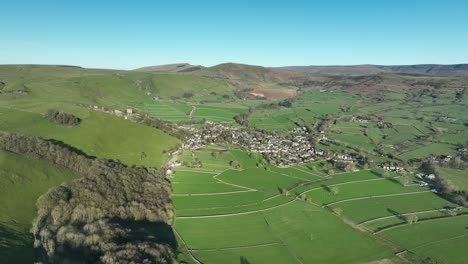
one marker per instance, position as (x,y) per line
(130,34)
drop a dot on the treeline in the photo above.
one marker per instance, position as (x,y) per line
(444,187)
(166,126)
(103,217)
(62,118)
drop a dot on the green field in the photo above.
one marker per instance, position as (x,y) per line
(179,111)
(360,189)
(255,222)
(234,206)
(371,208)
(442,239)
(99,134)
(22,181)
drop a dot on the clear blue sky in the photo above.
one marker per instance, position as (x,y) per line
(129,34)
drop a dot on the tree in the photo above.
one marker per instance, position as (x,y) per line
(338,210)
(187,95)
(283,191)
(453,211)
(405,180)
(215,154)
(411,219)
(330,172)
(334,190)
(303,197)
(386,175)
(235,164)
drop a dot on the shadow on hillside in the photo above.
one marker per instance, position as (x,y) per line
(393,180)
(15,246)
(70,148)
(244,260)
(326,188)
(396,214)
(157,232)
(378,174)
(136,233)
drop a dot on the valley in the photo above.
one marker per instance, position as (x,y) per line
(233,164)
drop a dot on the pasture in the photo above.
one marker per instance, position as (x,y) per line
(180,111)
(256,222)
(442,239)
(99,134)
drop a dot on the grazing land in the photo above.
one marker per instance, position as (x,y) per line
(265,165)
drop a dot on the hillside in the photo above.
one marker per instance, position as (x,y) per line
(22,181)
(355,70)
(300,159)
(176,67)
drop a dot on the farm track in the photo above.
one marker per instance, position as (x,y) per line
(186,246)
(438,241)
(282,242)
(227,183)
(375,196)
(339,184)
(424,221)
(234,248)
(200,171)
(207,194)
(240,213)
(313,174)
(392,216)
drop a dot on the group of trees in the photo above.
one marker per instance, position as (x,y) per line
(99,217)
(344,165)
(166,126)
(62,118)
(444,187)
(243,118)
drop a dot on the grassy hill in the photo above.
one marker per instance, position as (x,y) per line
(99,134)
(22,181)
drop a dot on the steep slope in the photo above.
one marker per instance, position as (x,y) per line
(22,181)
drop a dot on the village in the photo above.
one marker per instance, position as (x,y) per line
(281,151)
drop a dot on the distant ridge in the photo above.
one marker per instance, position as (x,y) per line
(176,67)
(355,70)
(244,70)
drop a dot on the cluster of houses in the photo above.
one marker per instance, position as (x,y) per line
(389,167)
(360,119)
(440,158)
(120,113)
(283,152)
(423,177)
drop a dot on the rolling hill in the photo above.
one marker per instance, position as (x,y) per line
(354,70)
